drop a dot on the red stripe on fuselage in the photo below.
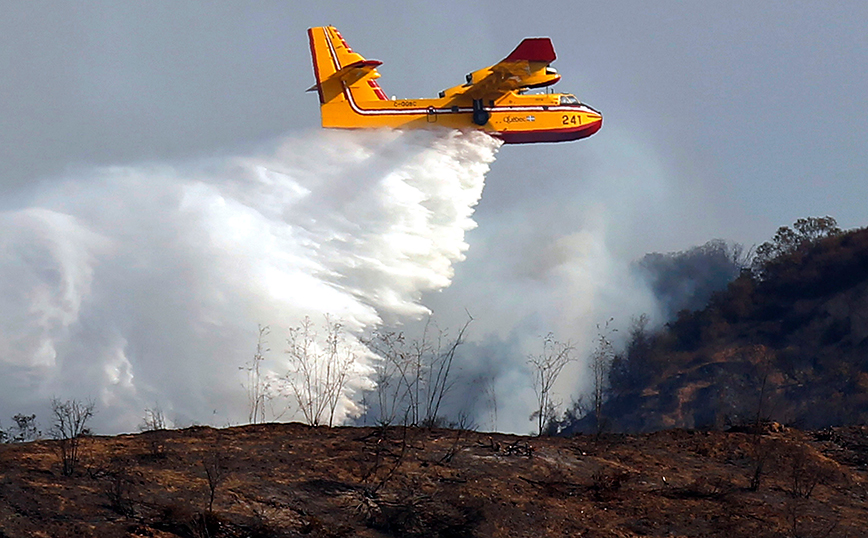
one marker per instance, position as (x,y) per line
(551,135)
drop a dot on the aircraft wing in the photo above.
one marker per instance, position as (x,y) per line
(525,67)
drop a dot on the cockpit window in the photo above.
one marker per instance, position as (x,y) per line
(569,100)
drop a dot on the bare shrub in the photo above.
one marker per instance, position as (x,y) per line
(438,370)
(386,461)
(154,420)
(457,446)
(214,464)
(763,360)
(413,377)
(258,387)
(547,366)
(802,522)
(761,453)
(70,425)
(805,471)
(153,424)
(319,372)
(464,422)
(118,489)
(601,363)
(390,376)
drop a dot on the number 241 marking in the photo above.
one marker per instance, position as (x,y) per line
(567,120)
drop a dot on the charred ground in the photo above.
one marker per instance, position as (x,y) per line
(293,480)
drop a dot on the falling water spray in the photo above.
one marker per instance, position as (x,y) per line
(141,284)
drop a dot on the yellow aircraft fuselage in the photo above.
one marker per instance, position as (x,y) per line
(493,100)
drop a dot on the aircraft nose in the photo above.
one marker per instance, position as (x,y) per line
(593,110)
(595,122)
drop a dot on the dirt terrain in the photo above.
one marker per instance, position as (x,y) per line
(292,480)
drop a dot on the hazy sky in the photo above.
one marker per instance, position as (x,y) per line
(754,111)
(722,119)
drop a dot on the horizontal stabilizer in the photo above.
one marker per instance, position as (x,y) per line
(361,64)
(351,73)
(533,49)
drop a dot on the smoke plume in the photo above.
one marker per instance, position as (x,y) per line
(144,285)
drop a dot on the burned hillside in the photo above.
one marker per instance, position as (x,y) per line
(786,341)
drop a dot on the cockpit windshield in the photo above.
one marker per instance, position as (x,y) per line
(569,100)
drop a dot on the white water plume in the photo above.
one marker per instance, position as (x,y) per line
(144,285)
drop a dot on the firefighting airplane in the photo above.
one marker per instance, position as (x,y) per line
(492,100)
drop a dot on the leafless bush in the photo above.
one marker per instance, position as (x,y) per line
(804,524)
(456,447)
(413,377)
(70,425)
(464,422)
(154,420)
(804,471)
(153,426)
(438,382)
(214,464)
(320,373)
(763,360)
(601,363)
(761,453)
(390,376)
(119,489)
(382,461)
(547,366)
(258,387)
(516,448)
(156,443)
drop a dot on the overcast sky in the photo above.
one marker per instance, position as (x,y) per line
(722,119)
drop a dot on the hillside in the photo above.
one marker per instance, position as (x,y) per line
(786,341)
(277,480)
